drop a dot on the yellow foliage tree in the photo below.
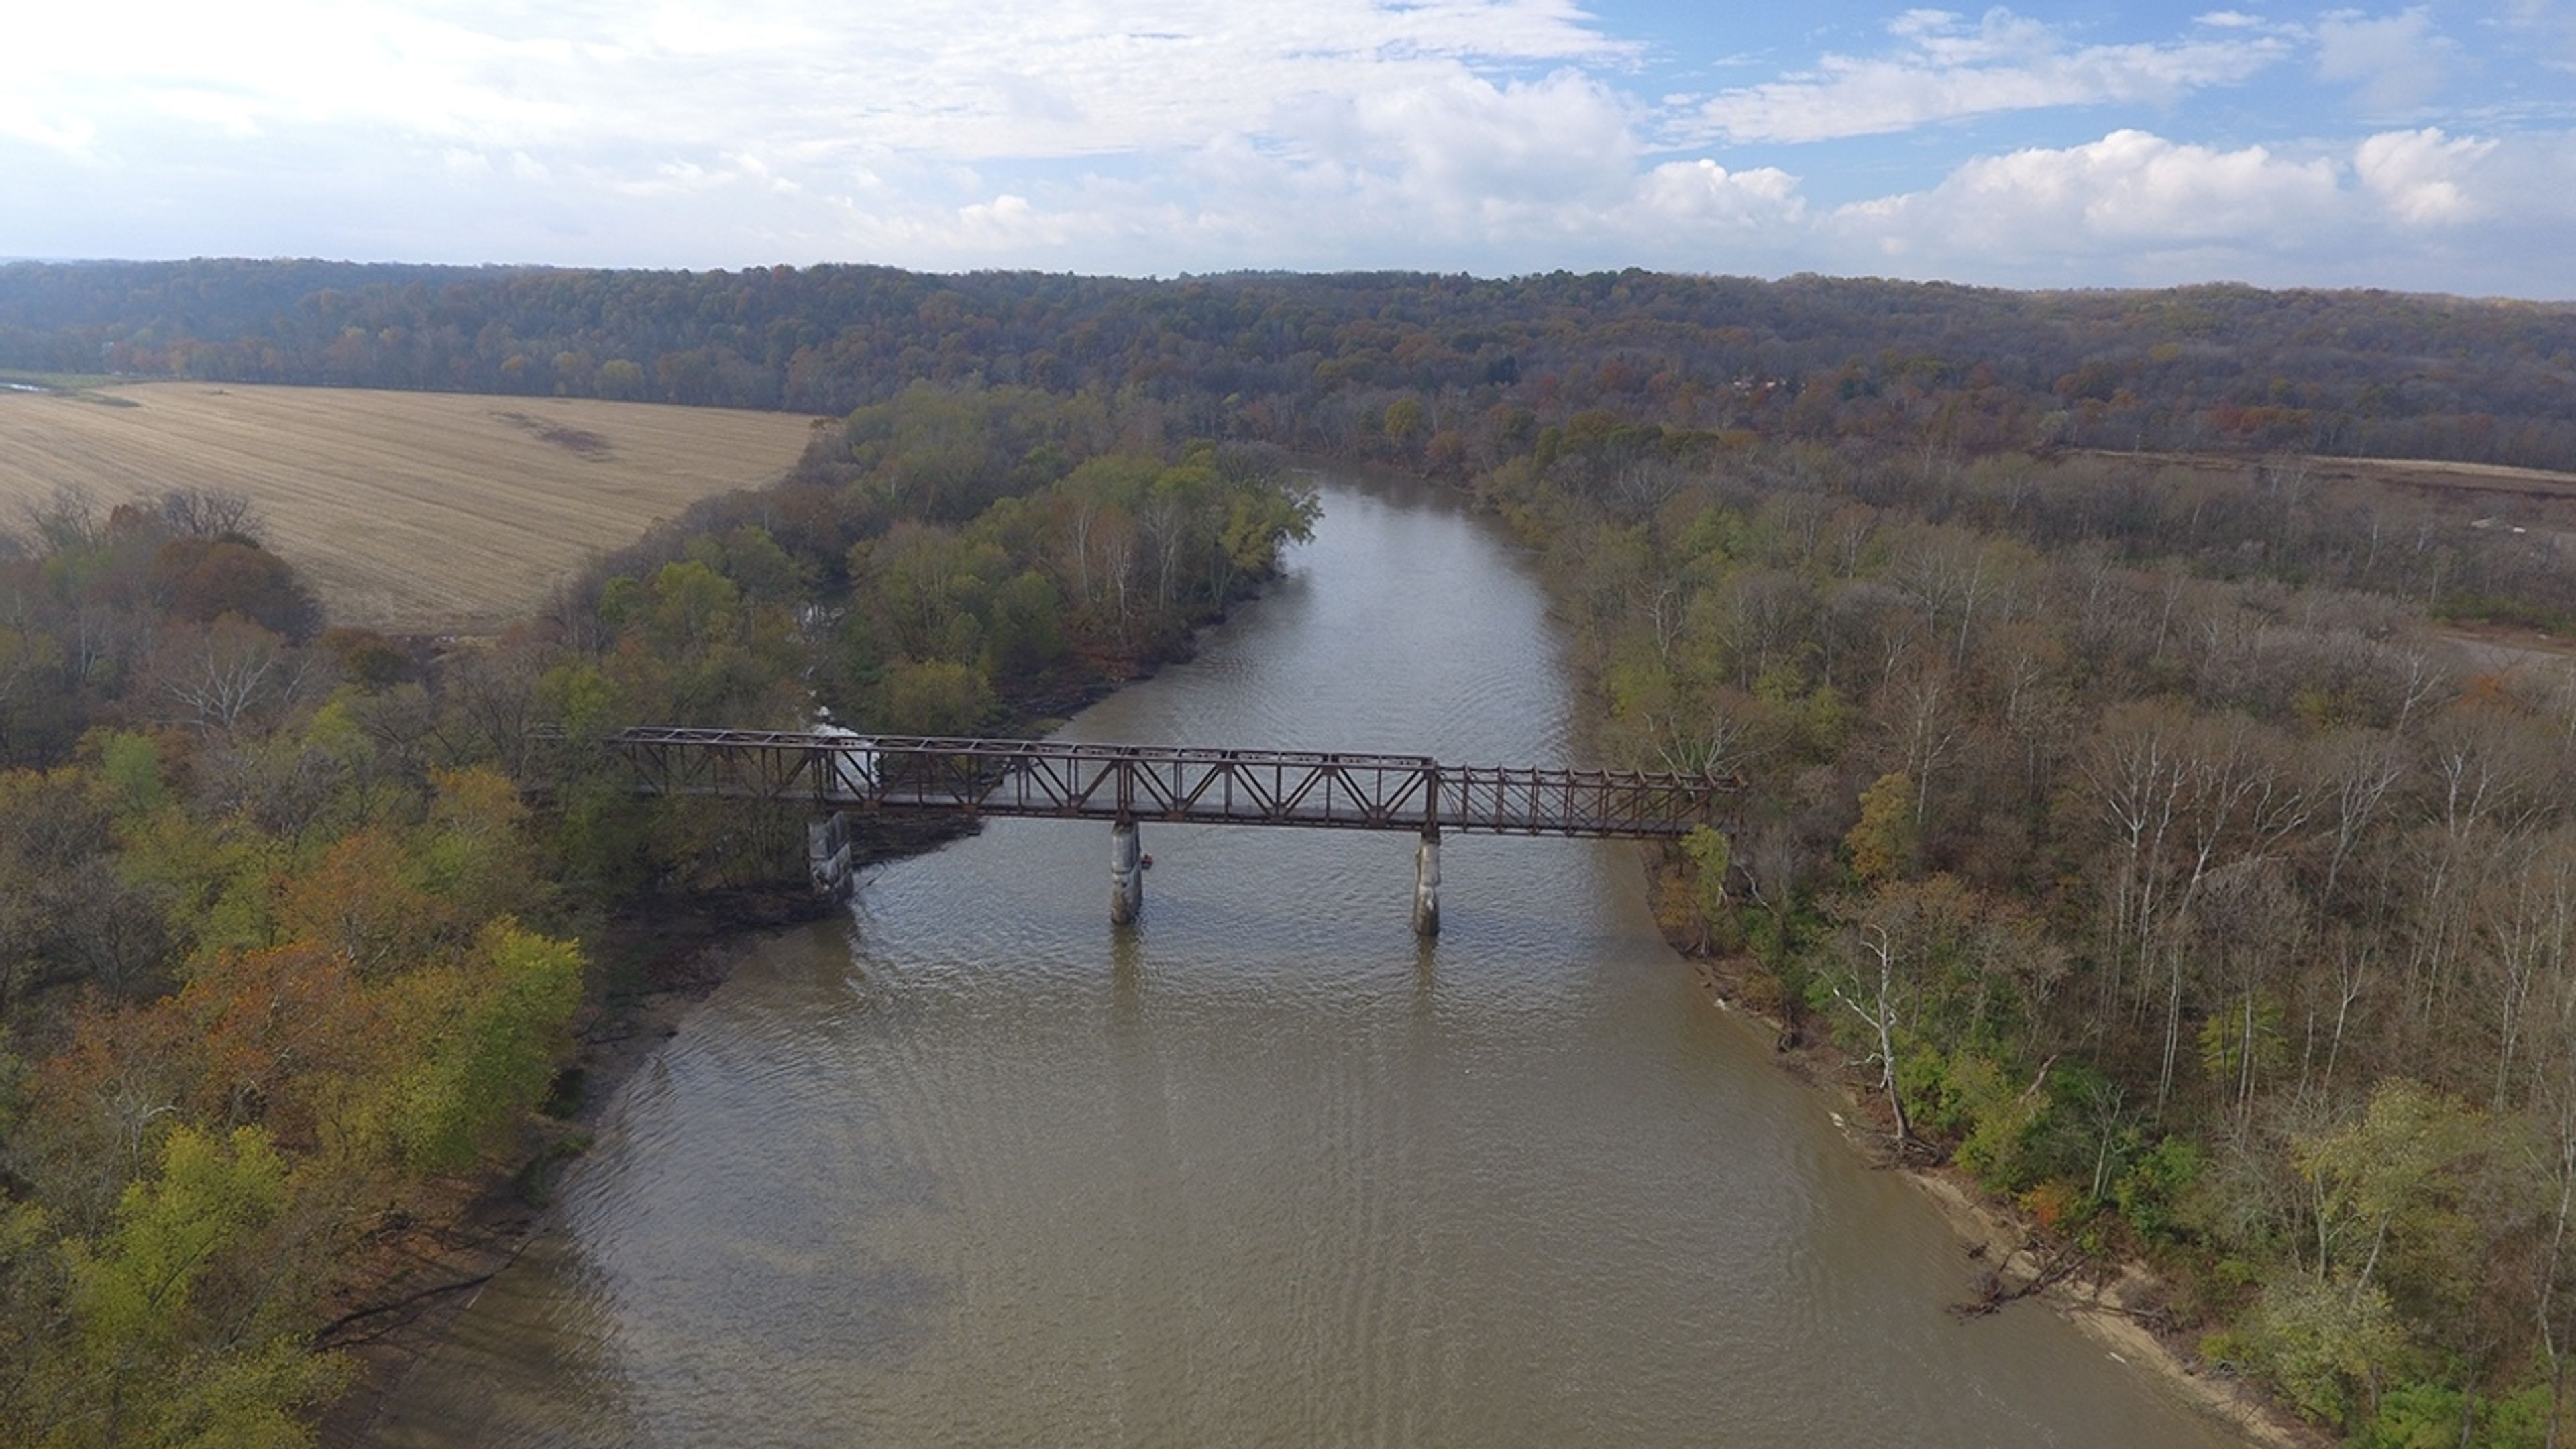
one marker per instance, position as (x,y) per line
(1882,844)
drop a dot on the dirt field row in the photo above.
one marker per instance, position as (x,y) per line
(2451,477)
(410,512)
(2428,474)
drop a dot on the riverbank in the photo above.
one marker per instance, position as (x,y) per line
(651,974)
(2117,1304)
(1269,1167)
(428,1269)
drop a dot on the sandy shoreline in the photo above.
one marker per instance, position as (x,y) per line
(2108,1312)
(2104,1301)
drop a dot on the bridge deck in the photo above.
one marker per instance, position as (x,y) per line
(1070,780)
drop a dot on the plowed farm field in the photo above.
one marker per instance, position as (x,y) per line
(426,513)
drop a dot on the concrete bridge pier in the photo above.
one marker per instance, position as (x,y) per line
(827,854)
(1126,874)
(1426,885)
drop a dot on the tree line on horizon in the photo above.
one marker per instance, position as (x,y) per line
(1301,361)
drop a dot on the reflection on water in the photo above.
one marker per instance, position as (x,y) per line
(972,1167)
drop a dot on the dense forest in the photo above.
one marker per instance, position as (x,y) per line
(2196,896)
(1311,362)
(2140,832)
(299,928)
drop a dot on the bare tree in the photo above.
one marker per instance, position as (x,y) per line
(218,676)
(30,665)
(66,519)
(2246,928)
(211,513)
(2360,768)
(1928,722)
(492,695)
(2495,781)
(1872,995)
(1765,619)
(2527,939)
(2183,796)
(1949,572)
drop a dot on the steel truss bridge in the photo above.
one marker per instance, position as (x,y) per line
(834,773)
(1131,783)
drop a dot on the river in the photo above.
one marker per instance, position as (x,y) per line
(971,1167)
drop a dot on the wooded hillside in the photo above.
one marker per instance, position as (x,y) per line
(1311,361)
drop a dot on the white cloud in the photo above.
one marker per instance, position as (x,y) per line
(1946,69)
(2551,22)
(1459,141)
(232,115)
(1537,171)
(965,79)
(2422,177)
(1399,183)
(1518,174)
(71,136)
(1704,194)
(2415,208)
(2128,191)
(2396,62)
(1007,221)
(1468,111)
(1166,135)
(676,178)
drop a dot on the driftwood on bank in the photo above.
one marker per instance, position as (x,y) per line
(1991,1291)
(375,1321)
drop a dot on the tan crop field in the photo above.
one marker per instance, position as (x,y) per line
(2426,475)
(432,513)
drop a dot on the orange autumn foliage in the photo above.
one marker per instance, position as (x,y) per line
(281,1038)
(359,902)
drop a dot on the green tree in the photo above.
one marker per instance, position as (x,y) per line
(2325,1344)
(1707,852)
(2393,1171)
(491,1026)
(1882,844)
(693,607)
(935,697)
(619,378)
(1026,636)
(1403,425)
(179,1336)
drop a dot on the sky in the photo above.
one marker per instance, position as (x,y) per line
(2428,147)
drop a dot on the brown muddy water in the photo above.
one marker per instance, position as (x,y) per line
(971,1167)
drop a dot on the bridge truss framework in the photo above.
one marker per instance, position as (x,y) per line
(1086,781)
(835,773)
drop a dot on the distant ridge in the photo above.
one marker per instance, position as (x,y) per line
(1298,359)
